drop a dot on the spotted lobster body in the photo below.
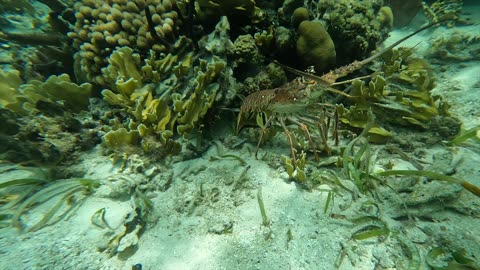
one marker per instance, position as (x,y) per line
(292,97)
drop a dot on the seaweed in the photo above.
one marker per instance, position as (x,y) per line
(296,170)
(261,205)
(356,163)
(63,191)
(331,178)
(369,227)
(229,156)
(440,259)
(413,252)
(473,133)
(475,190)
(34,194)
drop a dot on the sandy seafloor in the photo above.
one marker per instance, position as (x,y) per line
(222,228)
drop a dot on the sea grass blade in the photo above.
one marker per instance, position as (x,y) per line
(22,181)
(48,216)
(475,190)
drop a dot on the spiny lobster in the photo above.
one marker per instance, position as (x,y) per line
(291,101)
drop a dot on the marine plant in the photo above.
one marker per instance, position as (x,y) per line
(37,192)
(472,133)
(261,205)
(401,96)
(439,9)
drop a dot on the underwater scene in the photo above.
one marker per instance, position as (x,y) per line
(240,134)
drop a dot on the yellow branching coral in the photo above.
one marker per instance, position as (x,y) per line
(60,90)
(9,82)
(195,107)
(163,97)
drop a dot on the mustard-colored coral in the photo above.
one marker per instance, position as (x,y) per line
(120,138)
(204,90)
(9,82)
(59,90)
(163,97)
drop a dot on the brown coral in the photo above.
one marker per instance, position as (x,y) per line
(101,26)
(356,27)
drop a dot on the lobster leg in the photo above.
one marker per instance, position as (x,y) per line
(304,128)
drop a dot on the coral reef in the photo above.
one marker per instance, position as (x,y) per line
(101,26)
(31,97)
(315,47)
(245,50)
(356,27)
(299,15)
(160,77)
(181,93)
(45,128)
(270,77)
(385,16)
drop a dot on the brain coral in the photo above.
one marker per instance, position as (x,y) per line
(101,26)
(314,46)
